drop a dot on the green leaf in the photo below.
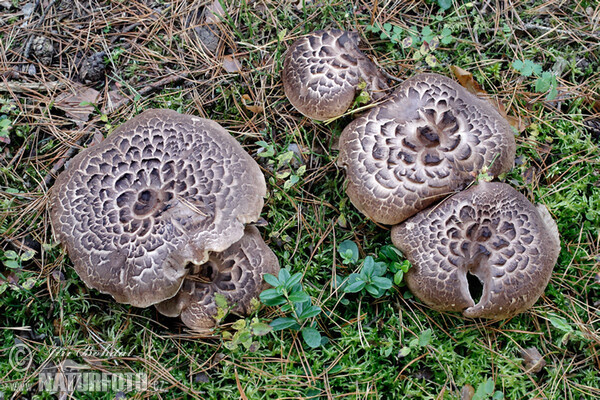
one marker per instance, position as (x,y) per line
(29,284)
(310,312)
(544,82)
(368,267)
(293,280)
(398,277)
(552,94)
(11,254)
(12,264)
(281,35)
(284,275)
(355,287)
(271,297)
(220,300)
(282,323)
(447,40)
(347,247)
(390,253)
(406,266)
(260,328)
(427,34)
(425,337)
(3,287)
(382,282)
(239,324)
(560,323)
(387,26)
(28,255)
(299,297)
(271,280)
(373,290)
(379,269)
(311,337)
(404,351)
(518,65)
(444,4)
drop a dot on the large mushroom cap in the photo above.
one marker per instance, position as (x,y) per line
(322,72)
(429,140)
(490,231)
(236,273)
(162,191)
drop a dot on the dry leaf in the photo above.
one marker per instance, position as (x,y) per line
(112,97)
(213,11)
(532,360)
(255,109)
(78,102)
(231,64)
(467,392)
(466,80)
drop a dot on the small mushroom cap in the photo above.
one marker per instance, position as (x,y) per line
(163,190)
(322,72)
(429,140)
(490,231)
(236,273)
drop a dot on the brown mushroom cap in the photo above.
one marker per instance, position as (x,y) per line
(163,190)
(236,273)
(322,72)
(490,231)
(429,140)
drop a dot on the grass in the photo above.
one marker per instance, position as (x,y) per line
(45,306)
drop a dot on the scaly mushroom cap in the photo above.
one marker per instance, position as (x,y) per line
(429,140)
(490,231)
(163,190)
(322,72)
(236,273)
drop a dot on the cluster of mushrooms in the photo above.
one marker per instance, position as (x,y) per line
(412,160)
(160,213)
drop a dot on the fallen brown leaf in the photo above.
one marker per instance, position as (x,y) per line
(78,102)
(231,64)
(532,360)
(467,80)
(252,108)
(213,11)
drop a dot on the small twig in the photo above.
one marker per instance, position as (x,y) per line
(153,86)
(24,87)
(529,27)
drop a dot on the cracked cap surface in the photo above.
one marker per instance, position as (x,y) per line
(236,273)
(429,140)
(490,231)
(163,190)
(322,72)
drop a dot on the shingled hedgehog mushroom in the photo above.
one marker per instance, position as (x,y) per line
(430,139)
(236,273)
(159,195)
(322,72)
(489,232)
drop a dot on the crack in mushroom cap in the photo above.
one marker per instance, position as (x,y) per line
(164,189)
(236,273)
(430,139)
(490,231)
(322,71)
